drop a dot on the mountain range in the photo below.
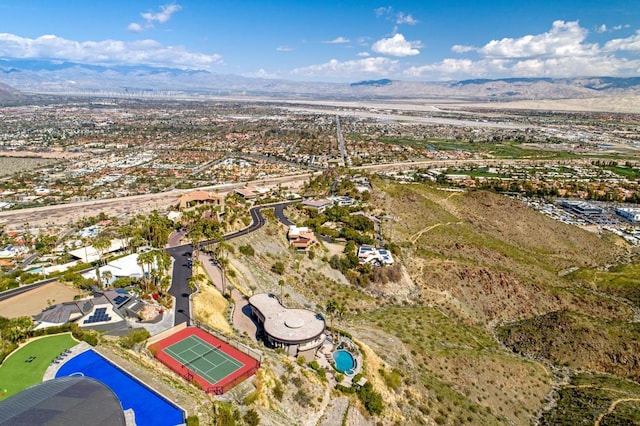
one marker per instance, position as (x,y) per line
(71,77)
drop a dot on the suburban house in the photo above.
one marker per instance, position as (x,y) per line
(251,192)
(89,254)
(124,267)
(301,237)
(106,311)
(375,256)
(343,201)
(318,205)
(199,198)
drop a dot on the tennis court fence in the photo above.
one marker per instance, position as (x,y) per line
(257,355)
(219,390)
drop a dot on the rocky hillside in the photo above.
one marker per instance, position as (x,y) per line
(483,327)
(7,92)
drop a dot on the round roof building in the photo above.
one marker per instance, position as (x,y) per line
(64,401)
(296,330)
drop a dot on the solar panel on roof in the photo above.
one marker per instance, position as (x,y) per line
(120,299)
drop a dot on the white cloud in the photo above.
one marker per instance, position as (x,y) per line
(163,16)
(150,18)
(401,18)
(134,27)
(459,48)
(337,40)
(349,69)
(382,11)
(364,54)
(396,46)
(564,39)
(105,52)
(261,73)
(631,43)
(284,48)
(604,29)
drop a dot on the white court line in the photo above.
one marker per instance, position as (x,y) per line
(196,342)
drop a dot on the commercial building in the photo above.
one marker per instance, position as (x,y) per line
(630,213)
(582,208)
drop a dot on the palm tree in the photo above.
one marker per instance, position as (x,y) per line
(340,311)
(161,262)
(147,258)
(101,244)
(107,275)
(331,309)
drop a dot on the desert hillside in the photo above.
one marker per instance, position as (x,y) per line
(465,333)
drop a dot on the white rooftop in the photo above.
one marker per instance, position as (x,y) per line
(284,324)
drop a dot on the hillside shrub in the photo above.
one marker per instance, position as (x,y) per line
(247,250)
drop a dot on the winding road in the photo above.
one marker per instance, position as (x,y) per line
(182,272)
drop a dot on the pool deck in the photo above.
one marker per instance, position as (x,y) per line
(326,361)
(50,374)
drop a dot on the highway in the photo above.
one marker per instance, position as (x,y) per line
(343,151)
(19,290)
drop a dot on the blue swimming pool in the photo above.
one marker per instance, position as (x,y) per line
(344,361)
(150,408)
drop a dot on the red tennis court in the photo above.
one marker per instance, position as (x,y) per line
(204,359)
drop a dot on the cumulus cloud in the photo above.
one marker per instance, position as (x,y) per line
(355,68)
(631,43)
(284,48)
(105,52)
(564,39)
(396,46)
(337,40)
(364,54)
(151,18)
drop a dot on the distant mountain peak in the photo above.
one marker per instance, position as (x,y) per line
(374,83)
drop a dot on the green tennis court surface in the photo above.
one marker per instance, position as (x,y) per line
(206,360)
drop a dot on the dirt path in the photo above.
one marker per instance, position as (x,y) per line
(242,320)
(613,406)
(419,234)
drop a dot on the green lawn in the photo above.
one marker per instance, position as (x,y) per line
(16,374)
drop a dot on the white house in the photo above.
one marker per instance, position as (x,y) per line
(374,256)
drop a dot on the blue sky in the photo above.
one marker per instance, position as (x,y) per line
(335,40)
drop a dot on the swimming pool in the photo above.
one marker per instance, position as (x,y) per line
(344,361)
(150,408)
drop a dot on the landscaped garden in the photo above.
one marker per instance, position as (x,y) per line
(27,365)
